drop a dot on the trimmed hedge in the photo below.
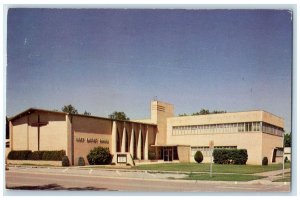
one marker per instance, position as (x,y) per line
(53,155)
(36,155)
(198,157)
(230,156)
(19,155)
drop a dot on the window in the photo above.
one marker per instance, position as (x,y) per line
(248,126)
(241,127)
(227,128)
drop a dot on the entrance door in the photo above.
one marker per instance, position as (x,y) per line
(168,154)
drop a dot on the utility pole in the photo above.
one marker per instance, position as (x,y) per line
(211,146)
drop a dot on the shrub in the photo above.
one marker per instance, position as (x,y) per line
(19,155)
(198,157)
(265,161)
(286,159)
(81,161)
(151,155)
(65,161)
(230,156)
(99,156)
(36,155)
(53,155)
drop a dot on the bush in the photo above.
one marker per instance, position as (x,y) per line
(198,157)
(99,156)
(65,161)
(19,155)
(53,155)
(81,161)
(286,159)
(265,161)
(151,155)
(36,155)
(230,156)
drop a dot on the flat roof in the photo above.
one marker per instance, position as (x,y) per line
(231,113)
(170,145)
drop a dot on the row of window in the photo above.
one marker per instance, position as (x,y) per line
(227,128)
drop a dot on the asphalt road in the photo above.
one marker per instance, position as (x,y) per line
(72,180)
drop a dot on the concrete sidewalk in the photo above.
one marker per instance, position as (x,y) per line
(133,174)
(272,175)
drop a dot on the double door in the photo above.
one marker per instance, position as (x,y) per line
(168,153)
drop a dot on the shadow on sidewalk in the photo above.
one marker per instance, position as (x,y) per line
(55,187)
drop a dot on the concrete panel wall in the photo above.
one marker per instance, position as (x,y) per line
(272,119)
(183,153)
(92,129)
(151,137)
(82,148)
(250,141)
(160,111)
(19,134)
(33,138)
(251,116)
(53,136)
(269,143)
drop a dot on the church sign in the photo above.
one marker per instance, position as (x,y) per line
(92,140)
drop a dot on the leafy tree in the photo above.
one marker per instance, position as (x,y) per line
(69,109)
(204,112)
(181,115)
(287,140)
(87,113)
(7,128)
(118,116)
(218,111)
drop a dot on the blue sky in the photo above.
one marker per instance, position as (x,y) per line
(105,60)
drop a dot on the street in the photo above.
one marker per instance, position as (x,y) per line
(72,179)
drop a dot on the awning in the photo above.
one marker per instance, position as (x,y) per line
(170,145)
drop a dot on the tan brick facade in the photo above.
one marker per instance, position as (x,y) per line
(167,136)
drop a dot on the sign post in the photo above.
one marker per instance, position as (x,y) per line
(283,158)
(211,146)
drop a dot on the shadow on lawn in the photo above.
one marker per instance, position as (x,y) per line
(56,187)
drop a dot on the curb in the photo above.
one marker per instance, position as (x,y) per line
(253,182)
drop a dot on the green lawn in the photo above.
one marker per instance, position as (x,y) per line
(204,167)
(223,177)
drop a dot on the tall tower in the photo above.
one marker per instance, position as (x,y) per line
(160,111)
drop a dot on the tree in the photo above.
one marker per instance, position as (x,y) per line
(86,113)
(204,112)
(287,140)
(7,128)
(182,115)
(218,111)
(69,109)
(118,116)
